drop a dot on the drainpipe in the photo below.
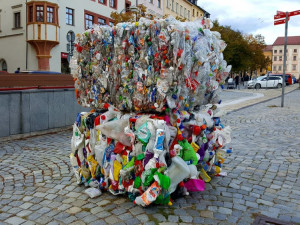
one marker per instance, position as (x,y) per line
(26,38)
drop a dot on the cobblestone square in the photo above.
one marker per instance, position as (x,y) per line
(37,184)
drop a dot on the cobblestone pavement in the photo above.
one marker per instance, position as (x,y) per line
(37,186)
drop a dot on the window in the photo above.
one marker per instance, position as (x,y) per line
(193,12)
(188,14)
(101,21)
(17,20)
(279,68)
(275,51)
(294,67)
(50,18)
(177,7)
(294,58)
(275,58)
(151,1)
(167,3)
(295,50)
(70,16)
(184,15)
(181,10)
(111,24)
(274,68)
(280,58)
(4,65)
(39,13)
(112,3)
(102,1)
(30,14)
(88,21)
(172,5)
(158,3)
(280,51)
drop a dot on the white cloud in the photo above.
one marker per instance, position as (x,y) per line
(254,16)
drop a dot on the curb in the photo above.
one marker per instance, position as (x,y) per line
(34,134)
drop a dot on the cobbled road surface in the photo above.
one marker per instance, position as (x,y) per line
(37,185)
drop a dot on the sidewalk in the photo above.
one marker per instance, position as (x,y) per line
(257,96)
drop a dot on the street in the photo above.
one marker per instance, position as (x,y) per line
(37,184)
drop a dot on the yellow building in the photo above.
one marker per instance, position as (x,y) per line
(187,9)
(268,54)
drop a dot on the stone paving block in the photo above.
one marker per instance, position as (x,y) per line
(73,210)
(173,219)
(142,218)
(132,221)
(97,222)
(15,220)
(186,219)
(206,214)
(136,210)
(160,218)
(24,213)
(29,223)
(103,214)
(125,216)
(43,220)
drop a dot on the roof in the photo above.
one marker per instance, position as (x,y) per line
(292,40)
(268,48)
(206,14)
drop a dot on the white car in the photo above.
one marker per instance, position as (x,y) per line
(265,82)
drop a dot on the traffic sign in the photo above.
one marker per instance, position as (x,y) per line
(294,13)
(283,15)
(279,16)
(277,22)
(280,13)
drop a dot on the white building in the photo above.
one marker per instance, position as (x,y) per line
(154,7)
(293,56)
(33,33)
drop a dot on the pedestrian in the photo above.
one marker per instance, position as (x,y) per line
(237,81)
(18,70)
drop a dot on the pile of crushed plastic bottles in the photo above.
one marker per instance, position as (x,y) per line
(154,133)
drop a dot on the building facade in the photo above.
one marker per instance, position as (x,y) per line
(185,9)
(293,56)
(33,33)
(268,54)
(154,7)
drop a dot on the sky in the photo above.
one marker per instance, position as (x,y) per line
(254,16)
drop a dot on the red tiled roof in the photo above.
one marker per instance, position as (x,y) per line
(268,48)
(292,40)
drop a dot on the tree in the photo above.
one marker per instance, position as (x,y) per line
(243,52)
(237,52)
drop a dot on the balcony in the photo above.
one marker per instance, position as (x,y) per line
(42,29)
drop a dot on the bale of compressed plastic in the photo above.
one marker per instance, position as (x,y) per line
(149,66)
(156,132)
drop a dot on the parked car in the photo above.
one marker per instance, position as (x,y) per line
(288,78)
(294,79)
(266,82)
(230,84)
